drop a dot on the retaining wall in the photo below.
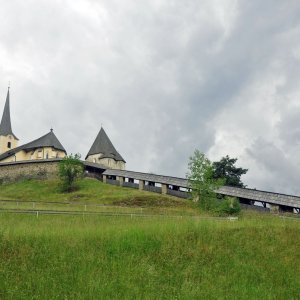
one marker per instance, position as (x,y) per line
(28,169)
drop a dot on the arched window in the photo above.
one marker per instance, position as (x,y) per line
(9,145)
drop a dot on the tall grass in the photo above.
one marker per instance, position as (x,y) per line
(67,257)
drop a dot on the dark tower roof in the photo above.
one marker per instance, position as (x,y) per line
(47,140)
(5,125)
(102,144)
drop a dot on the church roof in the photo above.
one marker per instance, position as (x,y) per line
(102,144)
(47,140)
(5,125)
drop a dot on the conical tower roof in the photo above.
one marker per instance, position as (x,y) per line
(102,144)
(5,125)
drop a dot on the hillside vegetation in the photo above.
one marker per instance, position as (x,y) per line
(128,244)
(94,257)
(96,195)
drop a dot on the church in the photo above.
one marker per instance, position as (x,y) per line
(48,146)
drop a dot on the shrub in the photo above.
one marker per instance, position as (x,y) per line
(70,169)
(229,206)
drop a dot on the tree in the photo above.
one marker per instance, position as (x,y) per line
(225,168)
(70,169)
(202,182)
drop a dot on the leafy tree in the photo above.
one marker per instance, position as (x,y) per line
(70,169)
(225,168)
(202,182)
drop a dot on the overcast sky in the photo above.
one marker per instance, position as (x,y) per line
(163,77)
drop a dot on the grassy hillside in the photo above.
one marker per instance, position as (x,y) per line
(90,256)
(67,257)
(92,193)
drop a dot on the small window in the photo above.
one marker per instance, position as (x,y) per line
(9,145)
(39,154)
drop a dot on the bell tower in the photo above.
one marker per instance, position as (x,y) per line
(7,139)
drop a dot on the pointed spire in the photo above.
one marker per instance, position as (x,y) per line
(103,145)
(5,125)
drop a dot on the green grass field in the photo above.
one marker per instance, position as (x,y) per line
(67,257)
(154,257)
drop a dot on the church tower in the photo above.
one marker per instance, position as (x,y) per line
(8,140)
(103,152)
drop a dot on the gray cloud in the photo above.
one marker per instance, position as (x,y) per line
(163,77)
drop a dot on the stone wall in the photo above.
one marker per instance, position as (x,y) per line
(28,169)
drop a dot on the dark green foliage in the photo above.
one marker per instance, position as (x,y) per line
(229,206)
(225,168)
(70,169)
(201,181)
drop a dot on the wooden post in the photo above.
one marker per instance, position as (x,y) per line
(104,178)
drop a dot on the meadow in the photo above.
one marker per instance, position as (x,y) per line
(91,196)
(154,257)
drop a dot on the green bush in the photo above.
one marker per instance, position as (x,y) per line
(229,206)
(208,203)
(70,169)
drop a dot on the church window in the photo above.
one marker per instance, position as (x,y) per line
(9,145)
(40,154)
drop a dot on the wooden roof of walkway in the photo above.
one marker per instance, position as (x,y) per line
(251,194)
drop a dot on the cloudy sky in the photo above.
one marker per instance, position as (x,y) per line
(163,77)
